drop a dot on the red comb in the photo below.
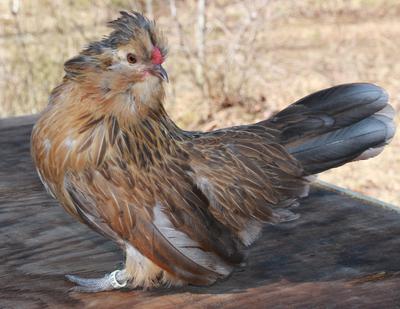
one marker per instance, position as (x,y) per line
(156,56)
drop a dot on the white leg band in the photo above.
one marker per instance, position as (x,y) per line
(114,282)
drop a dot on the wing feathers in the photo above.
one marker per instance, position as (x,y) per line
(187,246)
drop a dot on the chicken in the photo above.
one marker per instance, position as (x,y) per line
(183,206)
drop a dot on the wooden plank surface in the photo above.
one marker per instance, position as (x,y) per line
(342,253)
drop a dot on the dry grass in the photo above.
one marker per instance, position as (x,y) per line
(259,56)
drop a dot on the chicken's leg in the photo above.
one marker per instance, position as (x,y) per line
(116,280)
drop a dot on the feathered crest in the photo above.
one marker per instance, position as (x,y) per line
(131,25)
(127,26)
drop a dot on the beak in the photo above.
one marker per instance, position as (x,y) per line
(159,71)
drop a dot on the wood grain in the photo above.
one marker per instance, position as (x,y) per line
(342,252)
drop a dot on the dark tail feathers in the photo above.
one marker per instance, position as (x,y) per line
(337,125)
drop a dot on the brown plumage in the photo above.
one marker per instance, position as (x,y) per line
(184,205)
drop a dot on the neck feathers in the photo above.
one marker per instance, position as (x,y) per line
(100,96)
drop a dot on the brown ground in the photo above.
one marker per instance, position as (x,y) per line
(259,56)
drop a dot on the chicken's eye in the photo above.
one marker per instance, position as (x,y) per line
(131,58)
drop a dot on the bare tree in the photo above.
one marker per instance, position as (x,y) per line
(200,37)
(225,79)
(149,9)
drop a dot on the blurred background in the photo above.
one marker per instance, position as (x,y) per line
(230,62)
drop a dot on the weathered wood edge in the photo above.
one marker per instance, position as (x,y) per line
(12,122)
(355,195)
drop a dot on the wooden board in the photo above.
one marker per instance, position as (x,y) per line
(342,253)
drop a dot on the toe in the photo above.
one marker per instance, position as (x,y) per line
(82,281)
(88,289)
(90,285)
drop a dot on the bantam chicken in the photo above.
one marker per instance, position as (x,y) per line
(183,206)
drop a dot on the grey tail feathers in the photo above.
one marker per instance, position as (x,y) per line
(337,125)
